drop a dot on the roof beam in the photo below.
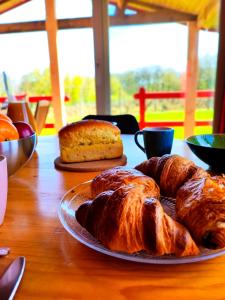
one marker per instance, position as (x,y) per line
(161,16)
(141,18)
(41,25)
(6,5)
(122,4)
(141,5)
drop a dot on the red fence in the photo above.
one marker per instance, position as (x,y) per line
(142,96)
(32,99)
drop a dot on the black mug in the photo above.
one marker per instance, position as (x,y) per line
(157,140)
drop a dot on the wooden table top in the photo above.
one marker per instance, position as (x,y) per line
(59,267)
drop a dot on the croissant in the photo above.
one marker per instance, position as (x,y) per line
(128,221)
(113,178)
(169,171)
(200,205)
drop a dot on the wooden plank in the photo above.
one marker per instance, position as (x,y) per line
(10,4)
(101,49)
(40,25)
(120,20)
(220,74)
(146,6)
(57,88)
(121,4)
(191,79)
(162,16)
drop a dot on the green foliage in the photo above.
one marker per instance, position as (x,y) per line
(73,87)
(87,93)
(207,74)
(36,83)
(81,90)
(2,90)
(206,79)
(153,79)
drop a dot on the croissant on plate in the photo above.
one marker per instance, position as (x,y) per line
(200,206)
(127,216)
(200,197)
(113,178)
(128,221)
(169,171)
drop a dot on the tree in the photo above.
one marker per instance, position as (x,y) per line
(73,88)
(88,90)
(207,78)
(207,74)
(36,83)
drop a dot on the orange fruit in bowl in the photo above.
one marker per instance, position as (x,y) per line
(5,117)
(8,131)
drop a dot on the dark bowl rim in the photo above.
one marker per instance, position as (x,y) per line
(32,135)
(13,141)
(207,134)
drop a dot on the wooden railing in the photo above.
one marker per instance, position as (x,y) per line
(142,96)
(34,99)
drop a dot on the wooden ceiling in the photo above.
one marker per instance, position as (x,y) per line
(6,5)
(147,11)
(206,11)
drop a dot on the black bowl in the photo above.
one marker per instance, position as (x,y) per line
(210,148)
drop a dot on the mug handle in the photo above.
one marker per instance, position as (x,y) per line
(136,140)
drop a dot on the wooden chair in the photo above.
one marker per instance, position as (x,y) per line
(41,113)
(127,123)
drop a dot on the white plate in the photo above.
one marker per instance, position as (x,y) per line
(81,193)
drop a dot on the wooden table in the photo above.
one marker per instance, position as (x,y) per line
(59,267)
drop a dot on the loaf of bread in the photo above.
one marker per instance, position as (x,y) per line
(89,140)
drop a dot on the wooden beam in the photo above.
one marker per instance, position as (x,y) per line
(57,88)
(220,74)
(40,25)
(122,4)
(141,18)
(191,79)
(6,5)
(149,18)
(152,6)
(101,50)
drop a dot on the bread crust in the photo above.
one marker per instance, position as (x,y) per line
(89,140)
(86,125)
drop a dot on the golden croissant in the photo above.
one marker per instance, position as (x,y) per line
(169,171)
(130,218)
(200,197)
(113,178)
(200,205)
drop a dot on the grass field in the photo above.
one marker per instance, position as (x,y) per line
(200,115)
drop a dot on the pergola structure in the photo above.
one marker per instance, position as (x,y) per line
(196,14)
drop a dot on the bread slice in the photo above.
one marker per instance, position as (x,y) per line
(89,140)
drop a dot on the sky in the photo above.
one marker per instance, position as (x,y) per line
(131,47)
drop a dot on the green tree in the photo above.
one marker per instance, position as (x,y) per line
(206,79)
(73,88)
(88,90)
(36,83)
(207,73)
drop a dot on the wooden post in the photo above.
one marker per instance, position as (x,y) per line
(101,46)
(57,86)
(191,79)
(218,126)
